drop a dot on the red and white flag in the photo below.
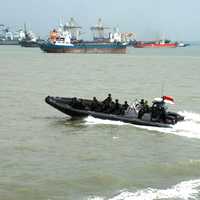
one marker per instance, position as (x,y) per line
(168,99)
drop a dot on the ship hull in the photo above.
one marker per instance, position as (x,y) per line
(9,42)
(171,45)
(117,48)
(29,44)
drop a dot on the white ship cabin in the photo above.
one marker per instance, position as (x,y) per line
(60,37)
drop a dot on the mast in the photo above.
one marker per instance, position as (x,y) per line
(25,29)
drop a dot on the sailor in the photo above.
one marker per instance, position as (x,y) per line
(117,107)
(142,102)
(107,104)
(74,102)
(95,105)
(81,104)
(124,107)
(108,99)
(146,106)
(141,113)
(158,111)
(78,103)
(142,109)
(163,115)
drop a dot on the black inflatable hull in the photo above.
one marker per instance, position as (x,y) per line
(63,104)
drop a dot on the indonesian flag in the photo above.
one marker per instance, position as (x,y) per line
(168,99)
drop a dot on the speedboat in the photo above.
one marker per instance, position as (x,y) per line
(181,44)
(134,114)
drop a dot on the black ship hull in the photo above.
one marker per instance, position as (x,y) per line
(25,43)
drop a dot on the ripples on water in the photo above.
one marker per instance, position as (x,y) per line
(187,190)
(45,155)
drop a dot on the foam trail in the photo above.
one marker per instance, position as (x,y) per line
(190,127)
(191,116)
(187,190)
(92,120)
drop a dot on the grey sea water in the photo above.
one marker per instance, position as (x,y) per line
(46,156)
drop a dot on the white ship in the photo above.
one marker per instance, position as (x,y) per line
(8,37)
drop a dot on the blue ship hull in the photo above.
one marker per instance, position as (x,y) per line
(84,47)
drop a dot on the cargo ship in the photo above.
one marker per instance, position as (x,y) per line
(66,39)
(8,37)
(155,44)
(30,39)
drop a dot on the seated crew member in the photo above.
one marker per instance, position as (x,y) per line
(163,115)
(142,110)
(80,104)
(117,107)
(74,102)
(154,111)
(124,107)
(107,104)
(146,106)
(141,113)
(96,105)
(108,99)
(158,111)
(142,102)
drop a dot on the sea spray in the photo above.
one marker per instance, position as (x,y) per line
(190,127)
(91,120)
(187,190)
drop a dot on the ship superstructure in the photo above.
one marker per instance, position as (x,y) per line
(7,37)
(70,28)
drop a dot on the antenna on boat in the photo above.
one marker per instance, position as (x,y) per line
(61,21)
(162,88)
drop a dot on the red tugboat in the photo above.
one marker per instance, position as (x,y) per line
(155,44)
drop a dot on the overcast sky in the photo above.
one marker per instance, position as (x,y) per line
(175,19)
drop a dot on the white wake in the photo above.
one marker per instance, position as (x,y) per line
(190,127)
(187,190)
(91,120)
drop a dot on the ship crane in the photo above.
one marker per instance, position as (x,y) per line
(99,30)
(73,28)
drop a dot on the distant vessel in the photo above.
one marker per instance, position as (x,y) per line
(30,39)
(99,35)
(66,40)
(181,44)
(10,38)
(155,44)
